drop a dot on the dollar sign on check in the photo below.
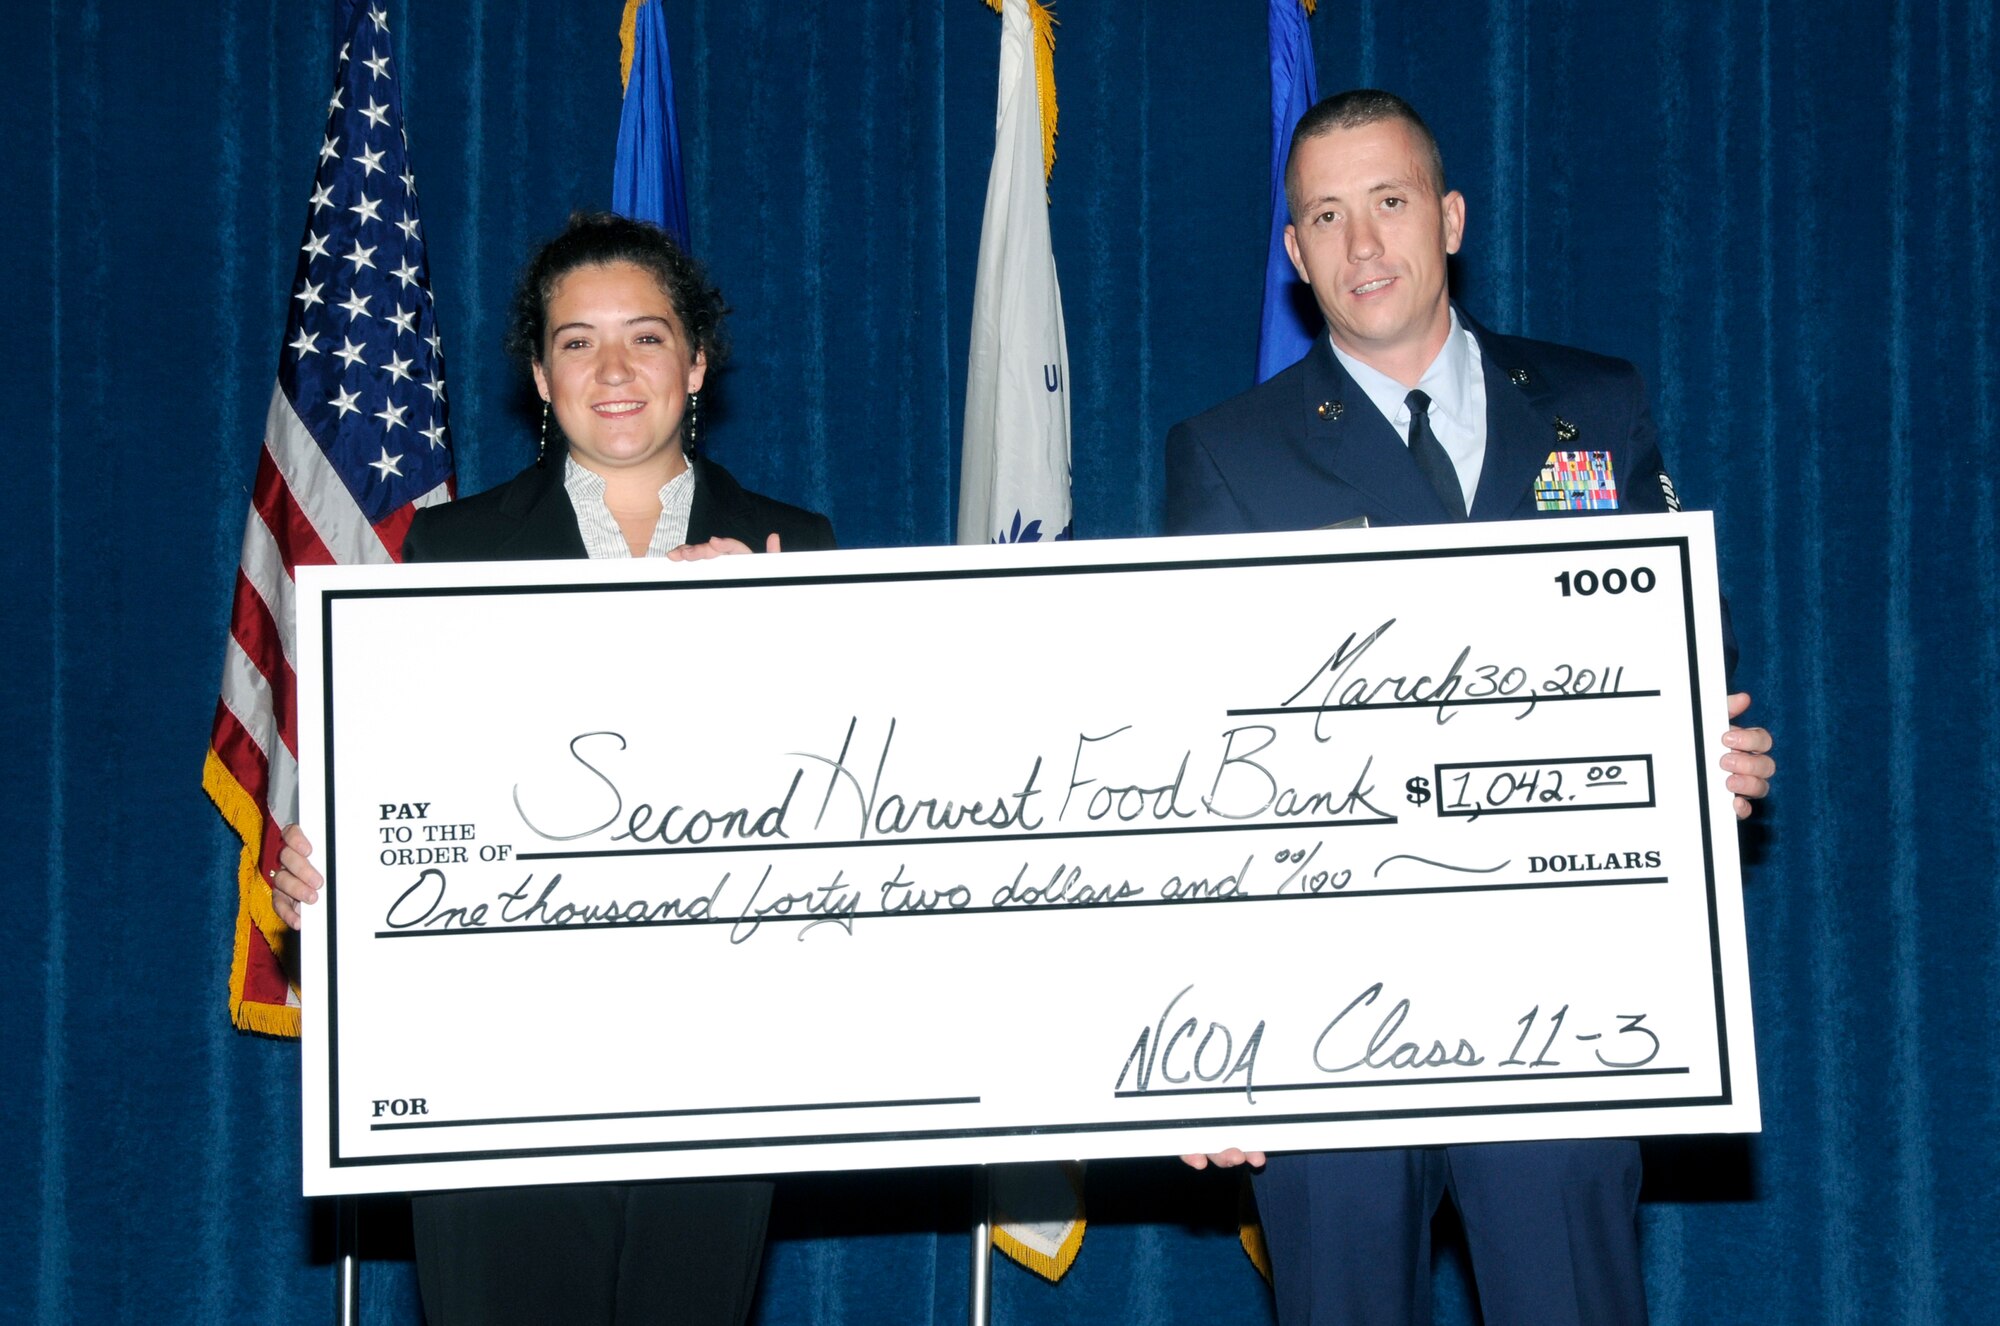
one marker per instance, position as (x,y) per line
(1419,790)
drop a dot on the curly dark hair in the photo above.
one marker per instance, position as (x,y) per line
(596,239)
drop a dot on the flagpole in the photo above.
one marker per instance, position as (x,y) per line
(979,1310)
(347,1260)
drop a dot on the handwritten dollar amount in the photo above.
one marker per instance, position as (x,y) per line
(1518,787)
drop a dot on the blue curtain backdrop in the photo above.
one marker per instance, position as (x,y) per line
(1780,211)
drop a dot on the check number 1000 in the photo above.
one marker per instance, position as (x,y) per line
(1613,581)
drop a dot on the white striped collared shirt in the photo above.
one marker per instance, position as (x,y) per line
(601,536)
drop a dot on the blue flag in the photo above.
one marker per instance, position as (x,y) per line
(646,179)
(1291,319)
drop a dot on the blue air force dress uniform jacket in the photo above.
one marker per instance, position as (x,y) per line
(1552,1225)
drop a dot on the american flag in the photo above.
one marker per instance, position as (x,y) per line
(354,442)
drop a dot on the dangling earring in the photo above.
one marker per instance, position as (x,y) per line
(692,426)
(542,443)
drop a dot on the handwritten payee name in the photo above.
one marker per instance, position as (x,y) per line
(854,795)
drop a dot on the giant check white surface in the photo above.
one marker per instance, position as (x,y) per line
(912,857)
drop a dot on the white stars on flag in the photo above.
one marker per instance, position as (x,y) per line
(354,378)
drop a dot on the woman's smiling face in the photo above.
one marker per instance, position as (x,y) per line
(616,369)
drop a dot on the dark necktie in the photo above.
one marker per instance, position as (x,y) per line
(1428,452)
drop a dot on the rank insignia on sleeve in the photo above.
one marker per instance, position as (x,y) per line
(1577,481)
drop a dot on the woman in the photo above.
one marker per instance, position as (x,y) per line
(620,329)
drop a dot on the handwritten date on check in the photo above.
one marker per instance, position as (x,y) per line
(942,856)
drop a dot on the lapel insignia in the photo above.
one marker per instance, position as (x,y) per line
(1332,409)
(1518,376)
(1577,481)
(1565,430)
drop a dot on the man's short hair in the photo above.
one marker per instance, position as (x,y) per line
(1352,110)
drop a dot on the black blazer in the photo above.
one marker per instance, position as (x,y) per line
(529,518)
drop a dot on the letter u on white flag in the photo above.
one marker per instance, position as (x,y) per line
(1014,473)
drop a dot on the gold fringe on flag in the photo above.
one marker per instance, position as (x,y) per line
(1309,10)
(253,903)
(1050,1265)
(1049,1268)
(1044,21)
(1249,1228)
(628,34)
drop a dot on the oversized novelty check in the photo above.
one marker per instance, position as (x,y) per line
(928,856)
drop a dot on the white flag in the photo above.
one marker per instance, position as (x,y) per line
(1038,1214)
(1014,477)
(1013,482)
